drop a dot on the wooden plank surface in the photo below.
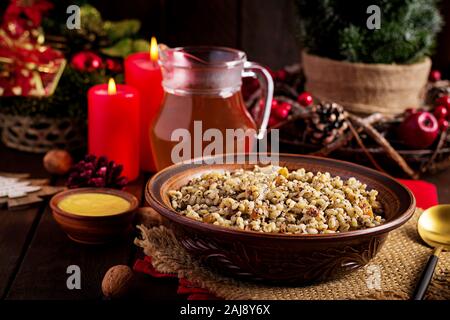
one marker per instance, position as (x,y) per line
(17,226)
(35,252)
(42,274)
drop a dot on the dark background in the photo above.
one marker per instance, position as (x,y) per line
(262,28)
(265,29)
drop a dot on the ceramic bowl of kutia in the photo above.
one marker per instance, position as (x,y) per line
(282,258)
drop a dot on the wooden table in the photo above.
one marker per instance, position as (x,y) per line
(35,252)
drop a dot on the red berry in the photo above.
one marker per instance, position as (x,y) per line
(282,111)
(274,104)
(443,101)
(305,99)
(443,124)
(435,75)
(273,121)
(440,112)
(281,75)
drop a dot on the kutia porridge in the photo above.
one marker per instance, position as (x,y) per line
(272,199)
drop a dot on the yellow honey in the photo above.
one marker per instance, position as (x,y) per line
(94,204)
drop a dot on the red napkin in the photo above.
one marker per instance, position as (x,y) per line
(185,287)
(425,193)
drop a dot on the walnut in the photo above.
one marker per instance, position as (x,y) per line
(57,162)
(117,281)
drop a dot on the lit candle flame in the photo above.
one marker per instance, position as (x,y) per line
(153,49)
(112,86)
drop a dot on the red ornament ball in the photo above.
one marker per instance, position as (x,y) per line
(305,99)
(443,124)
(443,101)
(435,75)
(86,61)
(440,112)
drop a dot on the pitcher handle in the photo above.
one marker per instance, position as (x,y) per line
(252,69)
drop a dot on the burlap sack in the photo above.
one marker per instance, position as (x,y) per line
(393,273)
(367,88)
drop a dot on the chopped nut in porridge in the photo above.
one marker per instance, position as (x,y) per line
(272,199)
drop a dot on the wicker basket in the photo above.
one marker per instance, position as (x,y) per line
(40,134)
(417,159)
(367,88)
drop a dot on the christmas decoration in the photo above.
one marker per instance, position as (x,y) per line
(279,112)
(305,99)
(443,101)
(443,125)
(110,38)
(327,123)
(18,190)
(347,61)
(435,75)
(336,30)
(84,48)
(28,67)
(282,110)
(440,112)
(419,130)
(86,61)
(58,162)
(113,65)
(96,172)
(373,140)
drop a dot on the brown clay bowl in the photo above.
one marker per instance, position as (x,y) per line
(94,229)
(282,258)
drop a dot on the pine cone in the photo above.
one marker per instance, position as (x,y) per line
(326,124)
(96,172)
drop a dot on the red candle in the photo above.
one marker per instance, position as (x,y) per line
(113,125)
(143,72)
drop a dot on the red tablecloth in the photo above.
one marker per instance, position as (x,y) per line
(425,193)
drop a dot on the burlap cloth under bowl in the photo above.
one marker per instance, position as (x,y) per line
(391,275)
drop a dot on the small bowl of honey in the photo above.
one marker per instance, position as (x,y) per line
(94,215)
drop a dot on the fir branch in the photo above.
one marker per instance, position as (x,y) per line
(337,29)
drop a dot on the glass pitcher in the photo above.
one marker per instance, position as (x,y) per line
(203,100)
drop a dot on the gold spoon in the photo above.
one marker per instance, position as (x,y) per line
(434,229)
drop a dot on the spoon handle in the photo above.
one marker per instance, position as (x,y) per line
(426,277)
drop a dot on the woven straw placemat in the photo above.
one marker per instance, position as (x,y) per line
(391,275)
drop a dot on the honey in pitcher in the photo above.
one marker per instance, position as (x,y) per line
(210,112)
(203,113)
